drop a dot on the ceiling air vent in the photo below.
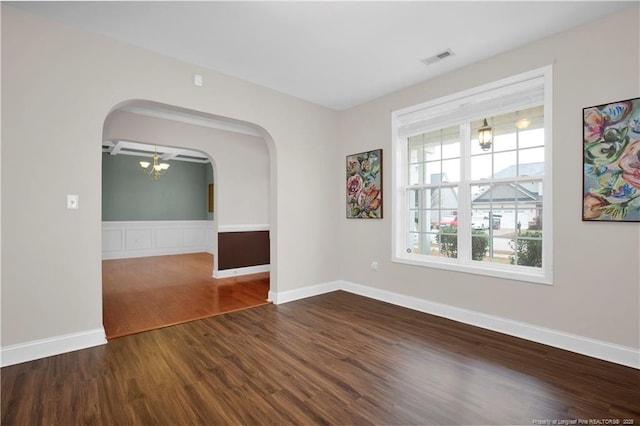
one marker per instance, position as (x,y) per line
(438,57)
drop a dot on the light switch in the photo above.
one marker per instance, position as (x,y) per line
(197,80)
(73,201)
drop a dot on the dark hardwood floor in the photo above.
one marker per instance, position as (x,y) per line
(336,359)
(147,293)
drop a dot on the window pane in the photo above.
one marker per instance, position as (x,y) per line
(480,198)
(531,162)
(413,242)
(449,200)
(486,225)
(414,155)
(480,220)
(414,220)
(529,215)
(505,142)
(447,241)
(481,167)
(414,198)
(415,150)
(427,243)
(522,218)
(531,138)
(475,145)
(451,170)
(433,247)
(432,219)
(500,251)
(433,172)
(504,164)
(433,150)
(451,149)
(479,244)
(530,118)
(432,198)
(415,174)
(528,249)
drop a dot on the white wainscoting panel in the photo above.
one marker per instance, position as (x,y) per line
(168,238)
(112,239)
(138,239)
(122,240)
(193,237)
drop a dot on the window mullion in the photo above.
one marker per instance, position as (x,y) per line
(464,196)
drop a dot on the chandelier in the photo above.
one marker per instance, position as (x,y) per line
(154,170)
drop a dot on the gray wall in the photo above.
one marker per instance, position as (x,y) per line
(130,195)
(588,274)
(49,93)
(59,84)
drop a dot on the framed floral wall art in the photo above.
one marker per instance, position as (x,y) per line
(611,177)
(364,185)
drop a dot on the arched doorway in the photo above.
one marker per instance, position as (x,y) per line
(179,134)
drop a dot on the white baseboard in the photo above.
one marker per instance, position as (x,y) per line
(36,349)
(583,345)
(618,354)
(302,293)
(236,272)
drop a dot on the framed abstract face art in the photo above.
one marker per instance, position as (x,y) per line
(364,185)
(611,176)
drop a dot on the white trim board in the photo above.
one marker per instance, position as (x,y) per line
(36,349)
(583,345)
(249,227)
(236,272)
(302,293)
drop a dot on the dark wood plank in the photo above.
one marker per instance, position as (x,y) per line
(233,252)
(147,293)
(331,359)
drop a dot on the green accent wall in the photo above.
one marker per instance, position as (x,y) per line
(130,195)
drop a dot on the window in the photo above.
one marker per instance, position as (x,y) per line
(480,209)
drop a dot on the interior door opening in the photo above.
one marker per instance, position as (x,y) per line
(161,231)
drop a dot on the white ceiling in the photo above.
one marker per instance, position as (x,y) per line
(336,54)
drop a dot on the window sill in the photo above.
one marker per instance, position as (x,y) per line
(518,273)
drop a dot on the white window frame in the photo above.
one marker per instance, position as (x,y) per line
(403,119)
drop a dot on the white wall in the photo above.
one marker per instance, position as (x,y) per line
(241,161)
(58,86)
(596,286)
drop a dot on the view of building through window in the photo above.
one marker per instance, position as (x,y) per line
(502,186)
